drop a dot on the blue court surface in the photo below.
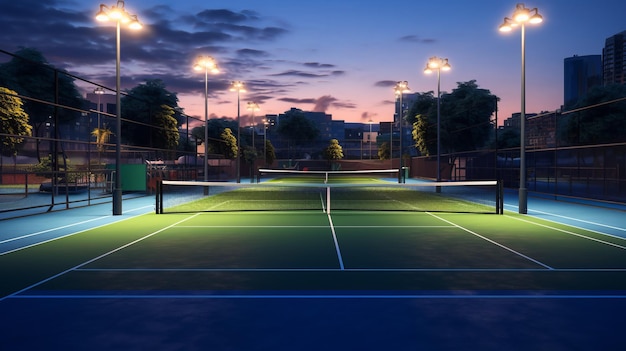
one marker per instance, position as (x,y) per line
(132,316)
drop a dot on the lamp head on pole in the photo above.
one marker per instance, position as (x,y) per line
(521,15)
(207,63)
(118,13)
(402,88)
(436,63)
(237,86)
(252,106)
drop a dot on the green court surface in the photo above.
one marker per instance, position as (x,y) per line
(316,279)
(305,252)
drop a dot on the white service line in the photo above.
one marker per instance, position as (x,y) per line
(332,228)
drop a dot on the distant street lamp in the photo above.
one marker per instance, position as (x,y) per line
(400,89)
(98,91)
(253,106)
(369,137)
(521,16)
(438,64)
(265,124)
(118,14)
(239,87)
(208,64)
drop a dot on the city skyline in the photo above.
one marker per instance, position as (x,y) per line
(342,58)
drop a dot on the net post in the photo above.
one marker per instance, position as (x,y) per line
(159,197)
(499,197)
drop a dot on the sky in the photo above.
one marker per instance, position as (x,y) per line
(342,57)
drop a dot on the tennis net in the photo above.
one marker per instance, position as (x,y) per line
(286,195)
(326,176)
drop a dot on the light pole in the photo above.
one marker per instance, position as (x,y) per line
(253,106)
(400,89)
(98,91)
(521,16)
(439,64)
(369,137)
(118,14)
(239,87)
(208,64)
(265,123)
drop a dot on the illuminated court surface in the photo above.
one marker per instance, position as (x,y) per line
(309,280)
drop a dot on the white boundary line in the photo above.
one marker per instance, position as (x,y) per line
(94,259)
(317,226)
(460,296)
(583,221)
(68,234)
(373,270)
(531,211)
(494,242)
(572,233)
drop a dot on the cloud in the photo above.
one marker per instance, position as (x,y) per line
(385,83)
(226,16)
(298,101)
(366,116)
(296,73)
(416,39)
(324,102)
(318,65)
(166,48)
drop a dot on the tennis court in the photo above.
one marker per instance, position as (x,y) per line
(310,279)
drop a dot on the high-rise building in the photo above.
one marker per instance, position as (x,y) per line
(614,59)
(580,74)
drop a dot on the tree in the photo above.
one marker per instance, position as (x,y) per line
(270,153)
(600,118)
(13,121)
(297,129)
(29,74)
(229,149)
(102,136)
(167,135)
(333,151)
(465,117)
(420,134)
(141,105)
(250,155)
(384,151)
(216,127)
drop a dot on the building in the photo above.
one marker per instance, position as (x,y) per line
(580,74)
(614,59)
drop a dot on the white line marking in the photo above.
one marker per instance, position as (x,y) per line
(69,234)
(569,232)
(332,228)
(373,270)
(95,259)
(317,226)
(494,242)
(583,221)
(52,229)
(321,296)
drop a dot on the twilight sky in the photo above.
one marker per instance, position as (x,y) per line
(338,56)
